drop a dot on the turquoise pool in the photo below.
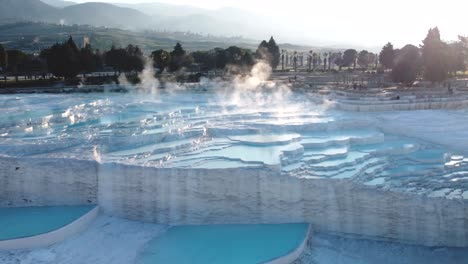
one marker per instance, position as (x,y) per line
(224,244)
(31,221)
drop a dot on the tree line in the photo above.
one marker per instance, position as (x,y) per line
(66,60)
(328,61)
(434,60)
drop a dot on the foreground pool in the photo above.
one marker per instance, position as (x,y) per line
(31,221)
(225,244)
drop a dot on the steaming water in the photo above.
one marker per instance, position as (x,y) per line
(273,128)
(227,125)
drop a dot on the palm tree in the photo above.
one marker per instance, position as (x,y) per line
(310,59)
(295,60)
(282,59)
(325,60)
(314,60)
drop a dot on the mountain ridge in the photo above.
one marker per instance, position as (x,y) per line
(91,13)
(225,21)
(59,3)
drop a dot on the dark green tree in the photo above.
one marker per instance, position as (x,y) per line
(314,60)
(133,59)
(456,57)
(464,46)
(71,43)
(373,60)
(325,60)
(262,52)
(242,59)
(15,58)
(99,57)
(3,58)
(221,58)
(114,58)
(234,55)
(179,58)
(349,57)
(88,60)
(408,65)
(282,59)
(338,60)
(363,59)
(295,61)
(63,60)
(435,57)
(32,66)
(178,50)
(129,59)
(269,52)
(274,50)
(161,59)
(387,56)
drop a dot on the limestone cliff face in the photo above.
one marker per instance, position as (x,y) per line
(219,196)
(173,196)
(43,182)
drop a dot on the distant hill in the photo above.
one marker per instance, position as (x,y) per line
(33,36)
(96,14)
(224,21)
(158,17)
(228,21)
(59,3)
(162,9)
(101,14)
(32,10)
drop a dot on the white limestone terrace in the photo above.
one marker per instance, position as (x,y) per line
(366,99)
(238,156)
(205,131)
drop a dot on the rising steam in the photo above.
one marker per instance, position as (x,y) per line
(148,81)
(252,89)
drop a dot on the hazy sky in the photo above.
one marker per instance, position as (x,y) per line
(361,22)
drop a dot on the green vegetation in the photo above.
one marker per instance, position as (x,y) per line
(435,57)
(387,56)
(63,60)
(3,57)
(179,58)
(129,59)
(15,59)
(162,58)
(364,59)
(269,52)
(435,60)
(408,65)
(66,60)
(349,58)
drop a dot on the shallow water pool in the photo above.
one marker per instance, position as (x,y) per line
(228,244)
(24,222)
